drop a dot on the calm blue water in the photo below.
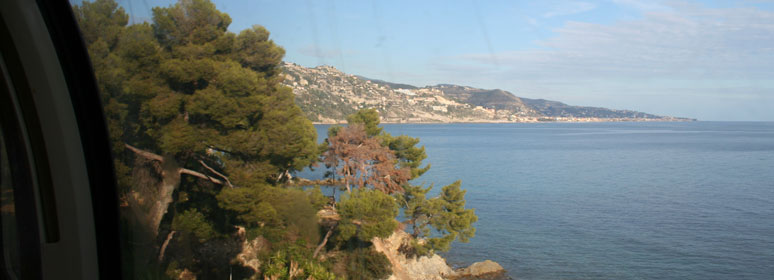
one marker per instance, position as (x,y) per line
(611,200)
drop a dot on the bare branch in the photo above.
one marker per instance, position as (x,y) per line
(228,182)
(324,241)
(156,157)
(200,175)
(165,244)
(144,154)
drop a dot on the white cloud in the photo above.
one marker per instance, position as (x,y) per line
(690,43)
(708,63)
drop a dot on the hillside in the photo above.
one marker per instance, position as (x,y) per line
(559,109)
(328,95)
(496,99)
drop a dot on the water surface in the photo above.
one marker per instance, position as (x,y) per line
(611,200)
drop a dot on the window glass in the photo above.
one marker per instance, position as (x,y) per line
(11,243)
(293,139)
(208,142)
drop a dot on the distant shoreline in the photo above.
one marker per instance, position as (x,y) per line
(503,121)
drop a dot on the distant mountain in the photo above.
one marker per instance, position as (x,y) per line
(328,95)
(495,98)
(558,109)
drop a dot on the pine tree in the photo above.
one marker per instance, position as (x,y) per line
(408,154)
(403,146)
(439,220)
(366,214)
(370,120)
(362,161)
(202,129)
(451,218)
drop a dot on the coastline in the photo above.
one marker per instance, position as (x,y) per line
(573,120)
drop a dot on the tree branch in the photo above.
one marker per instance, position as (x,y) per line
(200,175)
(181,170)
(228,182)
(144,154)
(324,241)
(165,244)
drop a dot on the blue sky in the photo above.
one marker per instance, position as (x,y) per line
(711,60)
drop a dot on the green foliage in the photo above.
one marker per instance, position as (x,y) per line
(297,214)
(173,271)
(316,198)
(207,100)
(417,208)
(178,137)
(369,118)
(294,261)
(366,214)
(255,51)
(366,263)
(288,138)
(189,22)
(438,221)
(317,271)
(276,267)
(446,214)
(250,205)
(193,222)
(101,20)
(452,219)
(333,130)
(183,85)
(273,207)
(407,153)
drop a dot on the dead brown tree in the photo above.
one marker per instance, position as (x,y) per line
(363,161)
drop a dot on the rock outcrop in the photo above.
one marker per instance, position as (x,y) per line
(248,257)
(186,275)
(483,269)
(403,268)
(431,268)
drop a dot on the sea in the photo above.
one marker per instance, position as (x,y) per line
(623,200)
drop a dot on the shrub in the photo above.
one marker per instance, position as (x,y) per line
(366,263)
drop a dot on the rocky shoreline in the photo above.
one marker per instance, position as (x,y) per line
(430,267)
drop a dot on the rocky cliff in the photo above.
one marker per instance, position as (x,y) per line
(429,268)
(406,268)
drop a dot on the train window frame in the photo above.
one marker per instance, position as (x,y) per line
(60,121)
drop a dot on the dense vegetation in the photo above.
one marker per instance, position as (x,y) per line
(205,140)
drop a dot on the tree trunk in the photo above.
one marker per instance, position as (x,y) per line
(170,181)
(170,174)
(322,244)
(346,181)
